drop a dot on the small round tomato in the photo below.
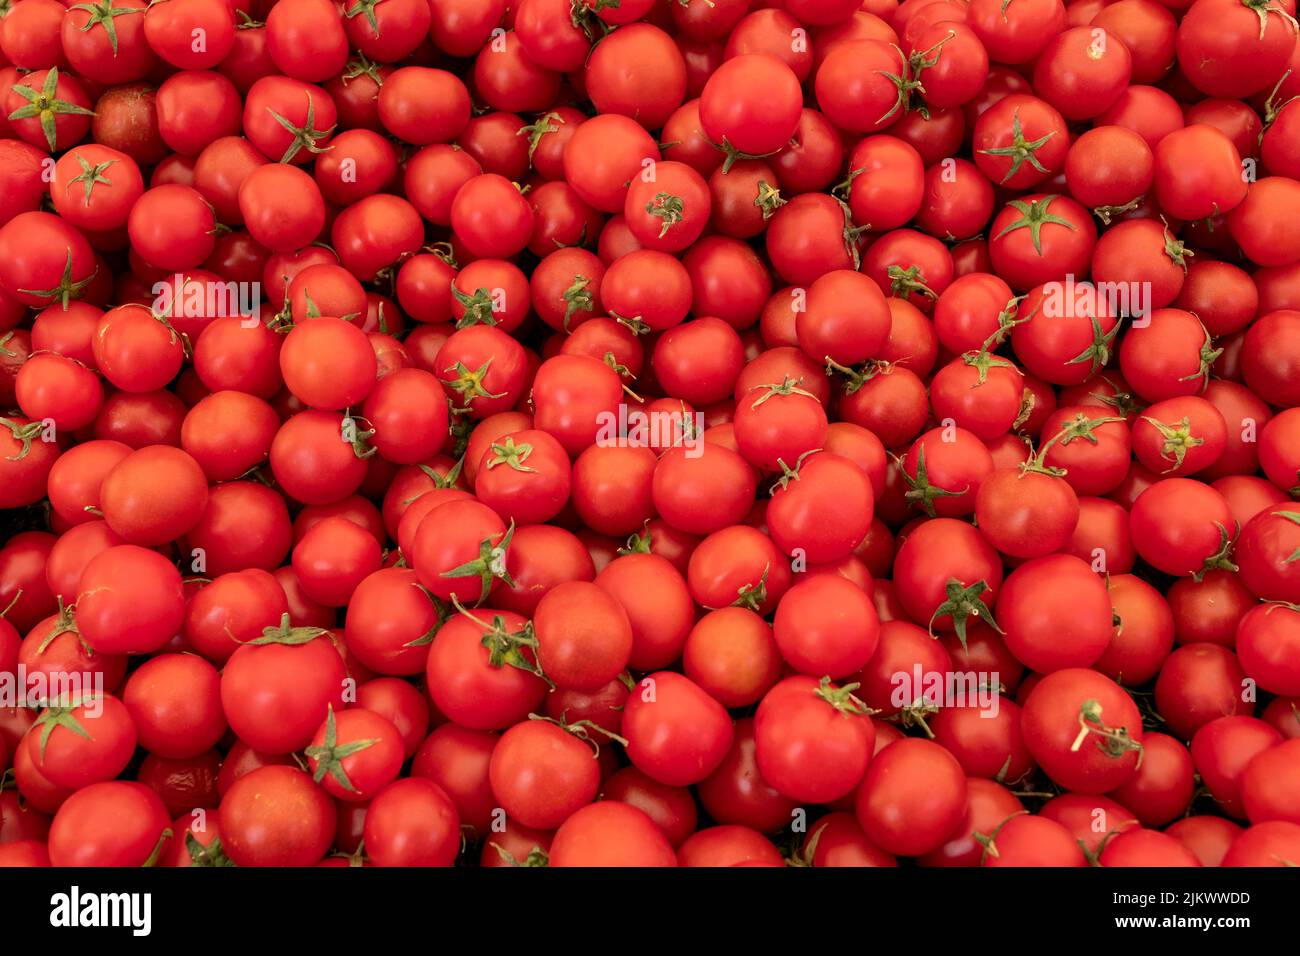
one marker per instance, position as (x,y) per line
(912,798)
(813,740)
(114,823)
(1083,730)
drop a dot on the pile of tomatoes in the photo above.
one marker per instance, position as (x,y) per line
(650,432)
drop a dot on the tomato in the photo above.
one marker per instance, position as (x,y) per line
(1198,173)
(1223,749)
(988,805)
(1061,596)
(1161,790)
(355,754)
(1083,730)
(676,734)
(83,741)
(113,823)
(912,799)
(1228,50)
(1020,141)
(751,105)
(1023,840)
(48,109)
(175,702)
(129,601)
(1263,225)
(332,558)
(1041,238)
(45,260)
(1181,526)
(638,72)
(1198,683)
(801,717)
(1268,785)
(542,773)
(808,518)
(1083,71)
(584,638)
(1276,843)
(482,671)
(1144,631)
(610,833)
(295,673)
(826,625)
(276,816)
(281,206)
(1265,638)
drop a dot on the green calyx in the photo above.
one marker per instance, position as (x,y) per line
(506,648)
(511,454)
(23,434)
(489,565)
(668,209)
(45,106)
(470,383)
(1034,215)
(1098,352)
(104,14)
(919,489)
(67,289)
(53,717)
(787,386)
(905,280)
(330,754)
(285,633)
(1178,440)
(1020,150)
(306,136)
(789,474)
(536,856)
(577,298)
(211,855)
(1114,742)
(842,699)
(753,596)
(961,605)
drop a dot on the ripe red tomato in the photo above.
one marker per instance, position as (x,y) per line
(276,816)
(1083,730)
(912,799)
